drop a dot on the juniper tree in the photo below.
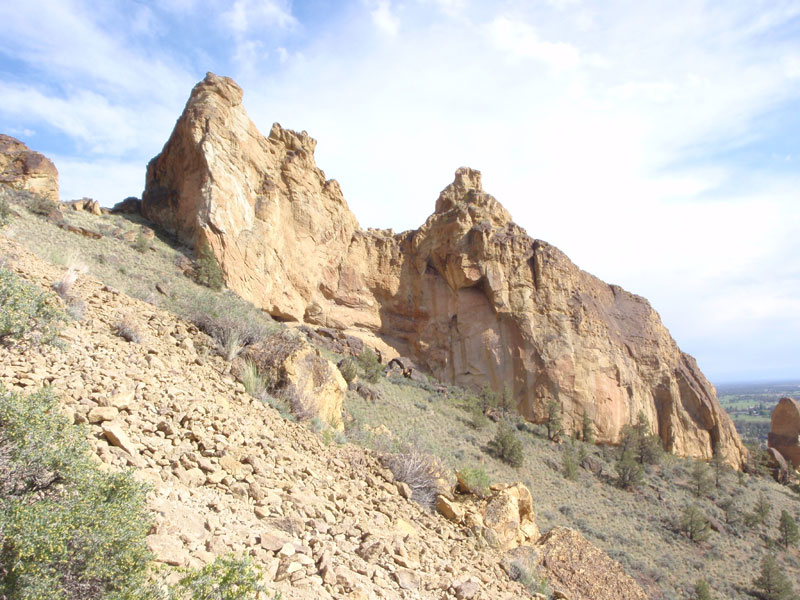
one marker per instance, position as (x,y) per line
(701,481)
(553,422)
(772,582)
(788,530)
(587,429)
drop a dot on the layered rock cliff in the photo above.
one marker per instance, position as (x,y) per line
(23,169)
(469,295)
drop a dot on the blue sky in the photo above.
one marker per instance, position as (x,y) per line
(656,143)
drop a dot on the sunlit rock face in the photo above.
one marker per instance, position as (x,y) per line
(469,295)
(23,169)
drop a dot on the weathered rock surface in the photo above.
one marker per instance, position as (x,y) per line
(469,295)
(23,169)
(582,570)
(784,434)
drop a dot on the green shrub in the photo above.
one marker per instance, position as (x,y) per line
(227,578)
(762,509)
(506,446)
(570,465)
(68,529)
(39,205)
(254,382)
(478,418)
(207,270)
(348,369)
(5,212)
(473,480)
(370,365)
(141,243)
(702,591)
(27,315)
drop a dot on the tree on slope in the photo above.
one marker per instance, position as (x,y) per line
(772,583)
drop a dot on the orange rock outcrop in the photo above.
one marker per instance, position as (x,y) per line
(469,295)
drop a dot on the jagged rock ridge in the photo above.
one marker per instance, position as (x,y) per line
(469,295)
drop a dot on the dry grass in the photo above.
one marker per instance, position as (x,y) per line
(425,474)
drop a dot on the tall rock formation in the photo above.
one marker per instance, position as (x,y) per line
(469,294)
(23,169)
(784,430)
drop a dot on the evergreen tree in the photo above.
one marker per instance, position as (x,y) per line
(570,465)
(506,400)
(701,480)
(637,438)
(718,465)
(788,529)
(772,583)
(553,422)
(694,524)
(587,430)
(207,269)
(629,471)
(762,509)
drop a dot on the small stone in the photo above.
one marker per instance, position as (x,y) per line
(406,579)
(102,413)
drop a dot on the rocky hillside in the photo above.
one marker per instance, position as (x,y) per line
(469,295)
(229,474)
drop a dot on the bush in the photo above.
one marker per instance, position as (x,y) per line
(473,480)
(587,430)
(701,479)
(702,591)
(5,212)
(27,315)
(507,447)
(569,463)
(39,205)
(253,381)
(478,418)
(425,474)
(207,270)
(232,333)
(127,329)
(227,578)
(348,369)
(68,529)
(142,244)
(370,365)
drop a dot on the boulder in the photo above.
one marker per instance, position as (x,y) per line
(508,517)
(784,434)
(23,169)
(580,571)
(129,206)
(86,205)
(312,383)
(468,296)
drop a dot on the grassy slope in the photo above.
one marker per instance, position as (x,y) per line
(633,527)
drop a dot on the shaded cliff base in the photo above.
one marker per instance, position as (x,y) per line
(634,527)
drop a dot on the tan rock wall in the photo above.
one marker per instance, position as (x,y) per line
(469,295)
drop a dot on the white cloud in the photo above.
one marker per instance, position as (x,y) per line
(521,41)
(248,15)
(383,18)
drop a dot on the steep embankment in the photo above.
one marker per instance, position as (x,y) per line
(229,474)
(469,295)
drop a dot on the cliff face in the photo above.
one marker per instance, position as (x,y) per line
(23,169)
(469,294)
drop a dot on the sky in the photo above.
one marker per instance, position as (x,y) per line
(656,143)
